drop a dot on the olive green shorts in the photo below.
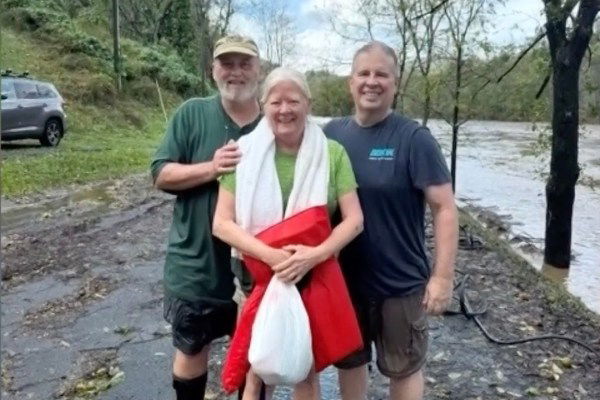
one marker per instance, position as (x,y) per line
(398,327)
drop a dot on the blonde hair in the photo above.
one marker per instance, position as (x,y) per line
(282,74)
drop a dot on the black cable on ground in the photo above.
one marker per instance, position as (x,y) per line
(467,311)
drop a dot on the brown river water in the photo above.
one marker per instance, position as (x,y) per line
(496,175)
(494,172)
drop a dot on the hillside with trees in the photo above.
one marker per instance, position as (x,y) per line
(110,132)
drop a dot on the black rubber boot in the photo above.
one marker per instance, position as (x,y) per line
(263,392)
(190,389)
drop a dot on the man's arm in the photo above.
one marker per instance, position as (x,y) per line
(445,222)
(176,176)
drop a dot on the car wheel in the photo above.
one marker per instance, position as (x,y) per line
(52,134)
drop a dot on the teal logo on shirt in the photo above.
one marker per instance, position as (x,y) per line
(381,154)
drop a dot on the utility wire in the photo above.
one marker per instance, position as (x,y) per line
(467,311)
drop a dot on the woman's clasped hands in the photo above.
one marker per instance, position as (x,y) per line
(292,262)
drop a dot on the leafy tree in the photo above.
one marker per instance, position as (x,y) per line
(144,20)
(210,20)
(178,31)
(420,25)
(567,45)
(331,95)
(463,17)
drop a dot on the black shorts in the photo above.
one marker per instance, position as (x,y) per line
(194,325)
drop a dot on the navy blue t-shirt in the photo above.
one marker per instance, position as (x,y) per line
(393,161)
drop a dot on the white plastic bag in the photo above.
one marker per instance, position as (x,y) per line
(280,349)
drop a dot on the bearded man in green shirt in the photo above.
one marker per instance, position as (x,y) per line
(198,147)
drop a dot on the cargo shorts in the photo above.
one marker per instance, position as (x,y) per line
(398,327)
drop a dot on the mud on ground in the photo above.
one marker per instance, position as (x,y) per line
(82,315)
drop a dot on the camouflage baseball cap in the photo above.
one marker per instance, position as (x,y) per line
(235,44)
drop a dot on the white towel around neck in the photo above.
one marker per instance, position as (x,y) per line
(258,198)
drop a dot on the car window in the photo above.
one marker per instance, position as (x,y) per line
(46,91)
(26,90)
(8,89)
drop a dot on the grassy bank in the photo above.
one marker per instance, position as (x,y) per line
(109,134)
(556,296)
(97,146)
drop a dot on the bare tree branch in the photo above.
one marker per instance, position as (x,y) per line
(433,10)
(519,58)
(332,21)
(590,55)
(543,86)
(523,53)
(277,30)
(367,9)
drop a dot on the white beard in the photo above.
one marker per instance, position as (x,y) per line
(248,92)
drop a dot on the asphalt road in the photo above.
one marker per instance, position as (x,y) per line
(82,311)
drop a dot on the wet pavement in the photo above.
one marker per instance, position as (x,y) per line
(82,313)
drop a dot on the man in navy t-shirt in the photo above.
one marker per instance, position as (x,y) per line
(399,169)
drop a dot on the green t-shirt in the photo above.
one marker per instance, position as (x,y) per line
(197,264)
(341,176)
(341,181)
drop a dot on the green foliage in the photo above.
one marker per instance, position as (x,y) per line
(56,28)
(590,83)
(177,30)
(75,41)
(331,96)
(156,63)
(108,135)
(169,69)
(513,99)
(163,65)
(144,90)
(78,62)
(30,19)
(102,143)
(7,4)
(99,89)
(72,8)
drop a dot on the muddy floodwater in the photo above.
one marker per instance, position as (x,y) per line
(495,174)
(501,178)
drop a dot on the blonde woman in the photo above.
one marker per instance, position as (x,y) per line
(288,166)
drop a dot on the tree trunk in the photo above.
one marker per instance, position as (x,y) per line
(567,52)
(398,102)
(455,115)
(427,102)
(564,168)
(116,45)
(596,74)
(453,155)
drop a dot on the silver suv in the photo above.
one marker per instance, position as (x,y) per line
(31,109)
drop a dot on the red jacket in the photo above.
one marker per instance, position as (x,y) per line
(334,328)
